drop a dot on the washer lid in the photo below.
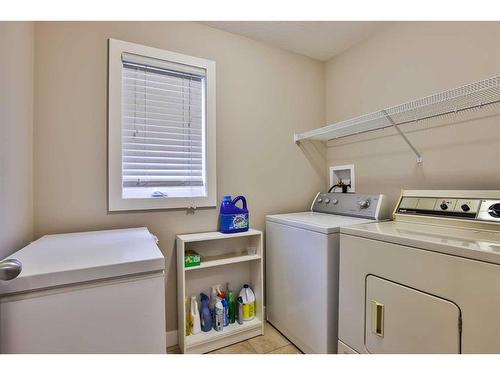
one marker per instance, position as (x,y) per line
(63,259)
(475,244)
(317,221)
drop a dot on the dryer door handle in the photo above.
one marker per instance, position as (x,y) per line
(377,318)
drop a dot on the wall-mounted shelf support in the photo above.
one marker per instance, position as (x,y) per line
(473,96)
(403,135)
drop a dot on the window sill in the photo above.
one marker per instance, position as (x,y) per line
(169,192)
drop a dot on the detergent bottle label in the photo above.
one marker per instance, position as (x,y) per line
(240,221)
(248,311)
(235,221)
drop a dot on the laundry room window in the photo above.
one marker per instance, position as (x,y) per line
(161,129)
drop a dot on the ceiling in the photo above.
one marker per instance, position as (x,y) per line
(320,40)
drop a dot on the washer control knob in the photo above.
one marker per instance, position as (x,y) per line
(494,210)
(364,203)
(335,201)
(465,207)
(327,200)
(320,200)
(443,206)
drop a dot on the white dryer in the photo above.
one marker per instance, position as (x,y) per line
(427,282)
(302,251)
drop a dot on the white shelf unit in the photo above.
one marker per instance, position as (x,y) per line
(473,96)
(225,258)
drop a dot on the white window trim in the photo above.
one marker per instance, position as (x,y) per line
(115,200)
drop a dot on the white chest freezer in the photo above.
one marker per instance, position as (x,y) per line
(89,292)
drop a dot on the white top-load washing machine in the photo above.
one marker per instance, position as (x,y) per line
(427,282)
(90,292)
(302,251)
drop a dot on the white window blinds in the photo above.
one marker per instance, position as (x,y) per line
(163,135)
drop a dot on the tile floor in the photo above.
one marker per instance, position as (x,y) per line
(272,342)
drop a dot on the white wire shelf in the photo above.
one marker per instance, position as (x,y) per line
(473,96)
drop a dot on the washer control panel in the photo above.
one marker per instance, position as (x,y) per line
(368,206)
(462,208)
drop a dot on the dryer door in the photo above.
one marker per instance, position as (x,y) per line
(404,320)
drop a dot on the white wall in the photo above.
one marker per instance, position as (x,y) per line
(403,62)
(16,136)
(263,95)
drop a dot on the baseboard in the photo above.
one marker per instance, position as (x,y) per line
(171,338)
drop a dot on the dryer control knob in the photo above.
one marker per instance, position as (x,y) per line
(443,206)
(465,207)
(327,200)
(320,200)
(335,201)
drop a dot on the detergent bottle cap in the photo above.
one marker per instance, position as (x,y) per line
(227,198)
(245,286)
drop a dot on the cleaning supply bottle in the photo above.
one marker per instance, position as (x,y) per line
(231,300)
(222,295)
(188,316)
(195,323)
(225,305)
(213,298)
(240,310)
(233,218)
(248,298)
(219,315)
(206,315)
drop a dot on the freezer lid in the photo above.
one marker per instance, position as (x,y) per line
(63,259)
(317,221)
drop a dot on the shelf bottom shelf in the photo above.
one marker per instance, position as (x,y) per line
(212,340)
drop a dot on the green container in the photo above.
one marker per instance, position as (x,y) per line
(191,258)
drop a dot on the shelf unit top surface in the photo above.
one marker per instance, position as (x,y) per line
(468,97)
(216,235)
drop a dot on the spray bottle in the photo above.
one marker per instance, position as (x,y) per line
(225,305)
(231,299)
(219,315)
(213,298)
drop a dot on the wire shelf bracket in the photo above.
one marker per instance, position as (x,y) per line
(405,138)
(473,96)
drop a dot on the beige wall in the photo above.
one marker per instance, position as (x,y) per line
(16,136)
(403,62)
(263,96)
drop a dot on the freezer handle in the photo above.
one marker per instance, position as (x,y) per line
(10,269)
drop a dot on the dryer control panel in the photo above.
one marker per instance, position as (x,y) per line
(477,205)
(369,206)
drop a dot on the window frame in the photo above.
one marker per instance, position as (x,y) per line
(115,66)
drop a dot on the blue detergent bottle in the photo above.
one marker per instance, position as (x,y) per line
(205,314)
(233,219)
